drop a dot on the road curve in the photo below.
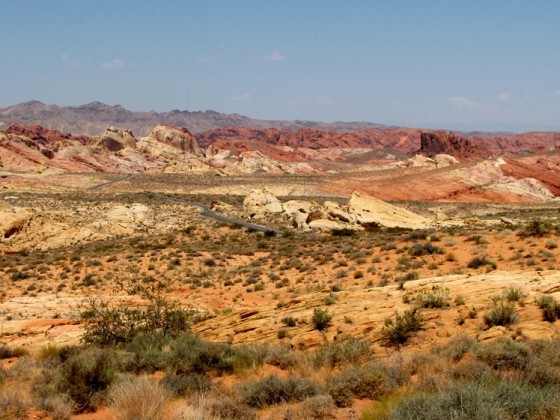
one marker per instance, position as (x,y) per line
(205,208)
(106,184)
(211,214)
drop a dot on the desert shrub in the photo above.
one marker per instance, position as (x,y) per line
(12,405)
(48,352)
(273,390)
(106,325)
(472,370)
(537,227)
(366,381)
(398,331)
(438,297)
(479,401)
(457,347)
(502,314)
(59,406)
(318,407)
(343,232)
(478,262)
(418,250)
(282,356)
(139,399)
(330,299)
(349,351)
(514,294)
(416,235)
(539,373)
(191,354)
(551,244)
(321,319)
(145,353)
(550,308)
(226,408)
(7,352)
(86,375)
(504,354)
(289,321)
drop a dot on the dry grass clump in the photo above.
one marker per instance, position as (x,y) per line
(137,398)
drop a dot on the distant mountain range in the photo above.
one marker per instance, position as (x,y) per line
(92,119)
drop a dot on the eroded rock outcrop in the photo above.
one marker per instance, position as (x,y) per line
(362,211)
(438,142)
(180,138)
(261,203)
(370,211)
(115,139)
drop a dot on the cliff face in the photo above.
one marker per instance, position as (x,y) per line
(433,143)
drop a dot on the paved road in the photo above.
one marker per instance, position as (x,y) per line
(205,209)
(207,212)
(106,184)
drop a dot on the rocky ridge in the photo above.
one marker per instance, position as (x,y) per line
(361,211)
(91,119)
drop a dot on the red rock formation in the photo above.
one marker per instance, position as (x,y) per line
(180,138)
(433,143)
(404,139)
(44,135)
(545,168)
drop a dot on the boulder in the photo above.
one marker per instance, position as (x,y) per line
(261,203)
(337,213)
(443,160)
(370,211)
(326,225)
(298,212)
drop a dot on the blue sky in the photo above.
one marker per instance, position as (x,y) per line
(464,64)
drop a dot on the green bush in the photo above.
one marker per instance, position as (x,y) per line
(191,354)
(282,356)
(86,375)
(504,354)
(418,250)
(550,308)
(478,262)
(145,353)
(514,294)
(349,351)
(273,390)
(537,228)
(502,314)
(7,352)
(109,326)
(366,381)
(399,330)
(321,319)
(289,321)
(186,385)
(502,400)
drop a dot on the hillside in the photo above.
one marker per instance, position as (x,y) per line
(92,119)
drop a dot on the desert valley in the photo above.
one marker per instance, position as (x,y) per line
(204,265)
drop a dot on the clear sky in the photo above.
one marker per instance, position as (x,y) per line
(464,64)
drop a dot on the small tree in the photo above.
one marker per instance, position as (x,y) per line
(108,325)
(321,319)
(397,331)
